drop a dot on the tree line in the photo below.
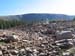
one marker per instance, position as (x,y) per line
(5,24)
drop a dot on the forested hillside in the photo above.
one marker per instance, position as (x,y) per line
(4,24)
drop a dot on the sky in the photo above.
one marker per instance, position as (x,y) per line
(15,7)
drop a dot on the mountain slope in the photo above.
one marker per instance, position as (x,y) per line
(37,17)
(46,16)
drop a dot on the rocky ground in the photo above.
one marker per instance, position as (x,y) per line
(39,40)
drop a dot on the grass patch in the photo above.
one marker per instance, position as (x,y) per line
(2,43)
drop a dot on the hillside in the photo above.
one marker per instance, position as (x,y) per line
(37,17)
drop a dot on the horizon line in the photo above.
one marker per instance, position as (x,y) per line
(34,13)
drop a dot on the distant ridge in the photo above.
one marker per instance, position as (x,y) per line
(37,17)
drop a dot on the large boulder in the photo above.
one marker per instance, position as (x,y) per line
(64,44)
(11,38)
(63,35)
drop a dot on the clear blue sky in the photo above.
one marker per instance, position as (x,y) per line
(14,7)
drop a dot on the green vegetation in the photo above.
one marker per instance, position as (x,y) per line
(5,24)
(2,43)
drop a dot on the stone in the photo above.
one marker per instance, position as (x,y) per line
(0,52)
